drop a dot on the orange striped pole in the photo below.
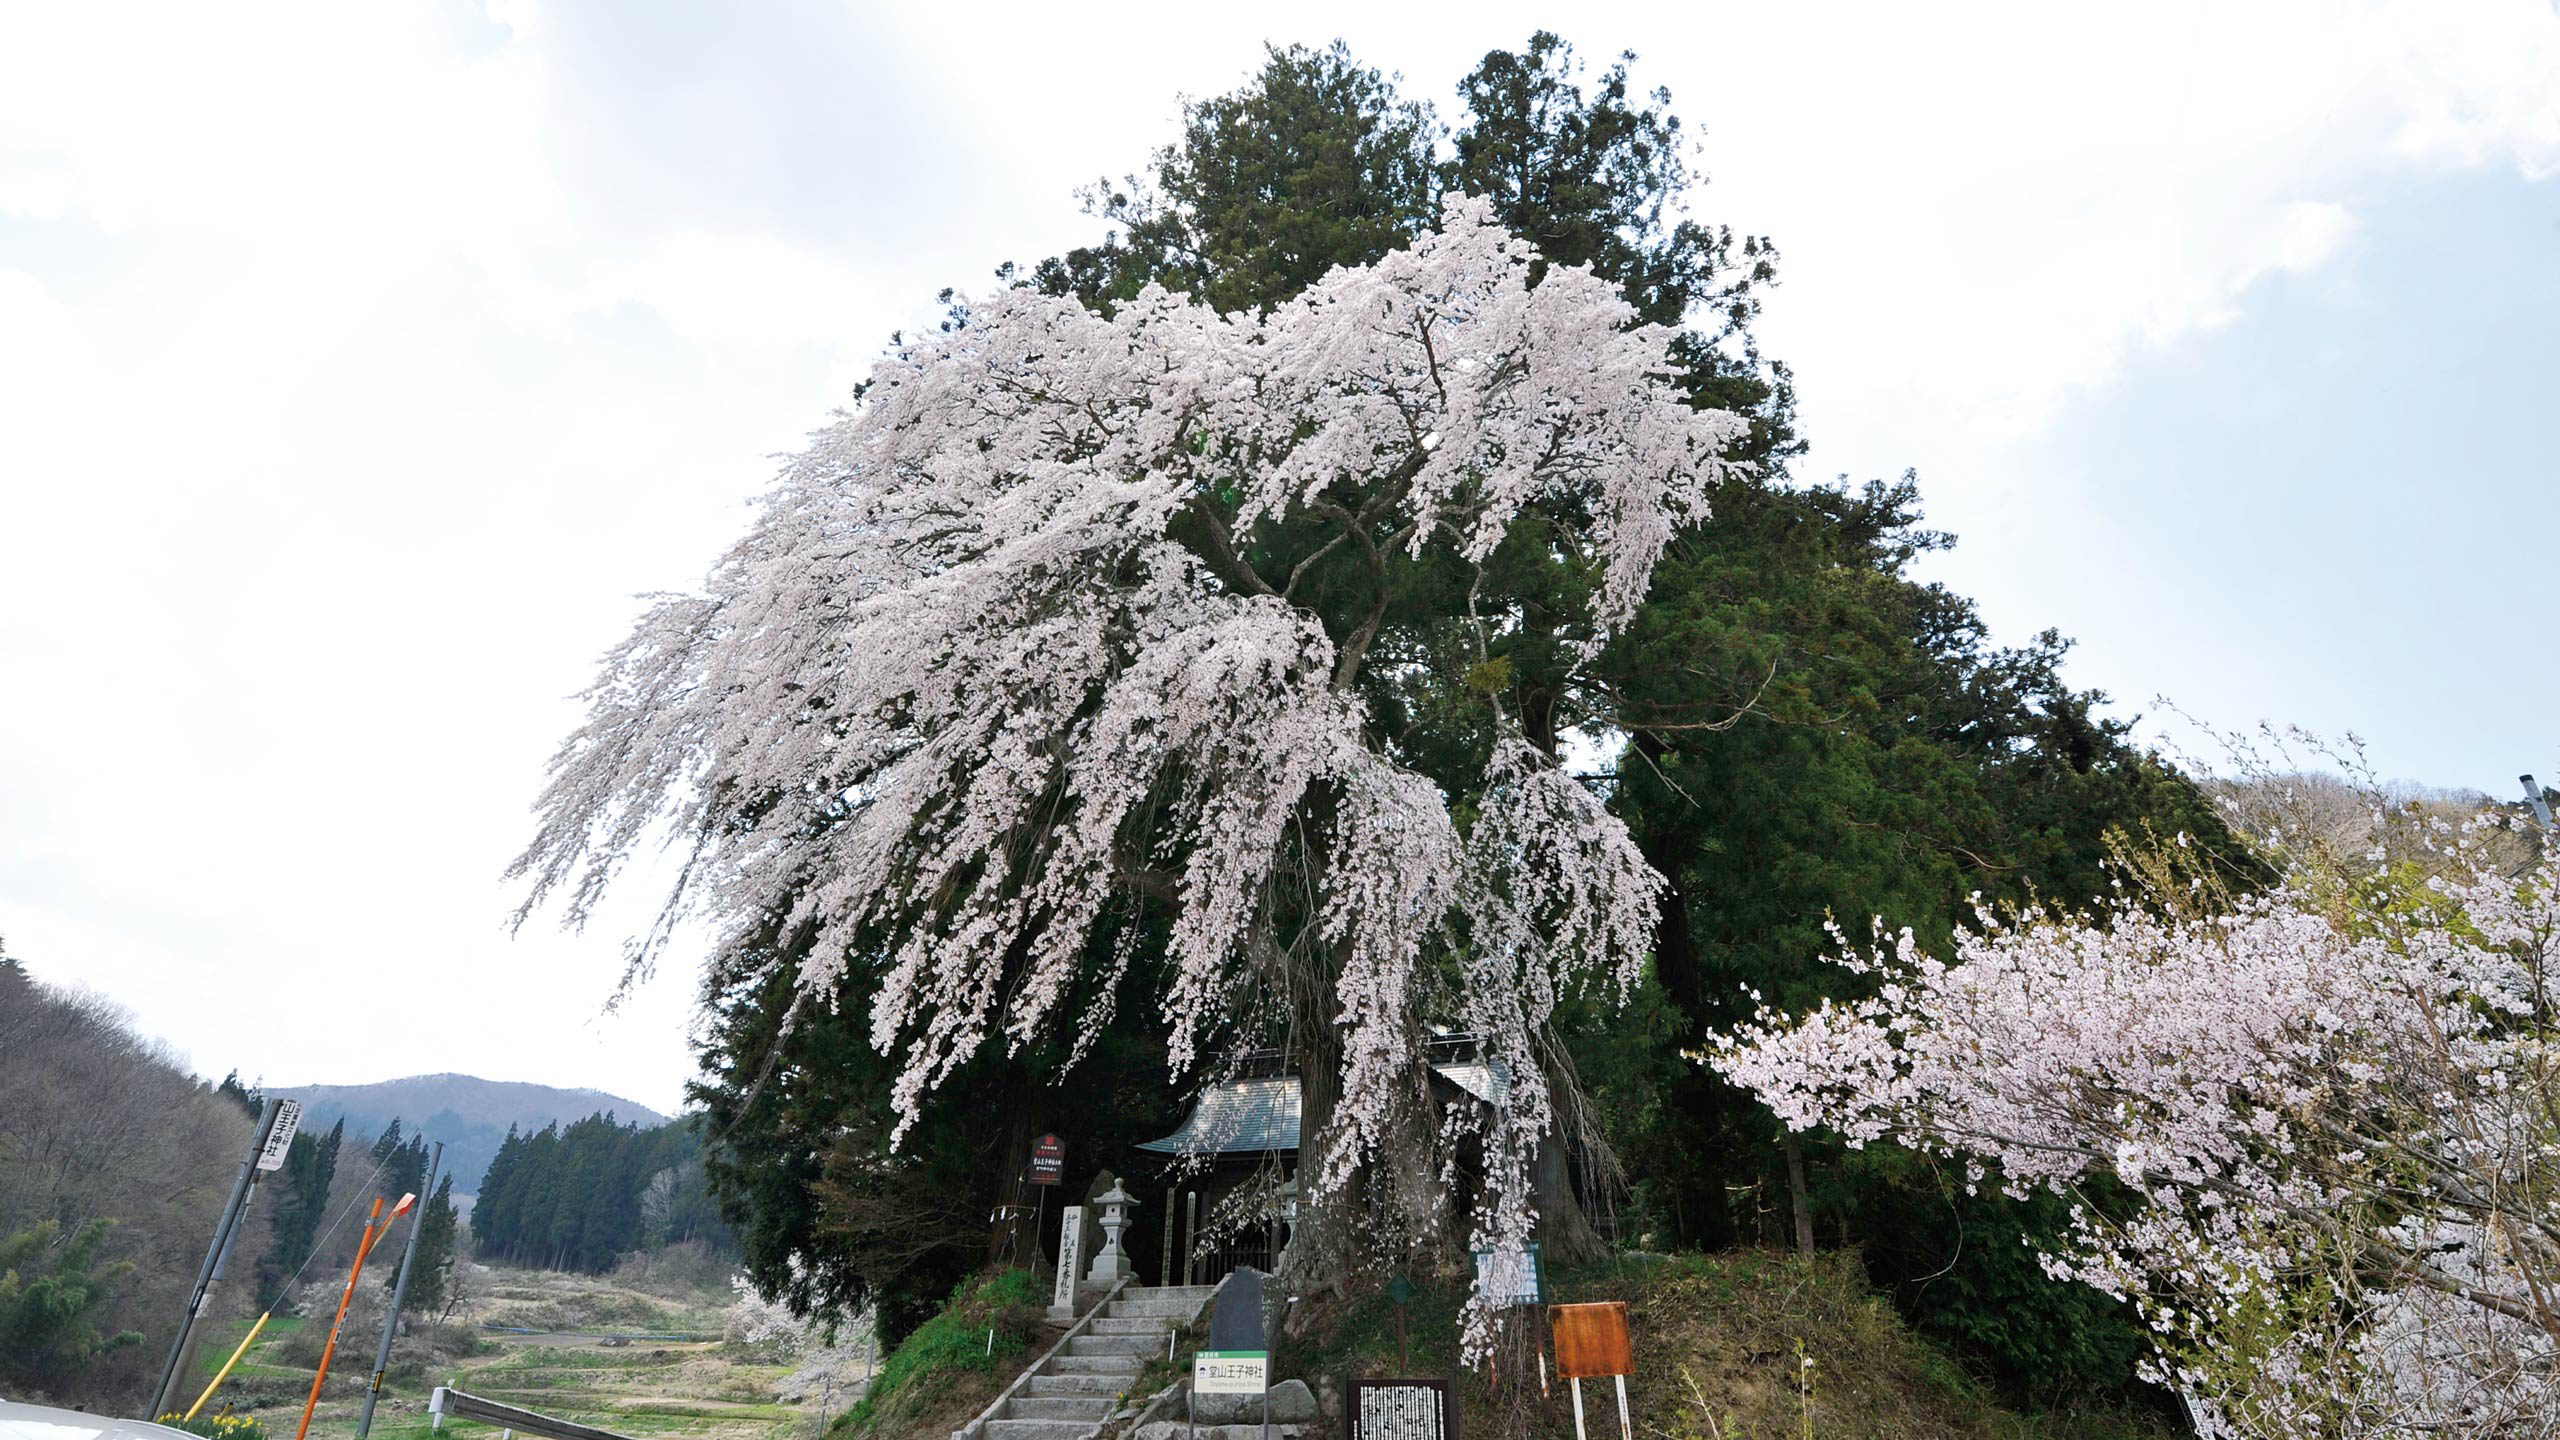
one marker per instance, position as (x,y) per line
(364,1247)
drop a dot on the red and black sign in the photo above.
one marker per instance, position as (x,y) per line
(1048,1160)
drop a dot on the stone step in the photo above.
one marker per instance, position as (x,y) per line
(1090,1344)
(1053,1384)
(1039,1429)
(1193,1292)
(1155,1325)
(1096,1408)
(1175,1430)
(1171,1307)
(1071,1364)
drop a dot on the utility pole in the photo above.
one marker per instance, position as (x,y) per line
(214,1253)
(399,1292)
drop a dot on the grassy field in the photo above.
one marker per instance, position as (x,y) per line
(694,1390)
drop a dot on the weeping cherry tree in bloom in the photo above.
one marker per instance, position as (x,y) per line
(2335,1108)
(1070,615)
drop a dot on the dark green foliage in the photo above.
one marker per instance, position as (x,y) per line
(574,1197)
(49,1289)
(896,1231)
(1865,751)
(402,1167)
(430,1276)
(301,1199)
(1318,163)
(246,1096)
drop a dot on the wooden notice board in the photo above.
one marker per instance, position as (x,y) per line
(1592,1339)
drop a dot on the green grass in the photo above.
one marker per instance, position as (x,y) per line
(946,1349)
(1721,1343)
(221,1337)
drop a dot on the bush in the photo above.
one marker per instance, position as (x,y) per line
(952,1344)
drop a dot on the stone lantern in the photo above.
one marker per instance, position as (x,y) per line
(1113,1263)
(1288,1218)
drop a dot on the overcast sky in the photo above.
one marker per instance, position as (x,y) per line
(359,364)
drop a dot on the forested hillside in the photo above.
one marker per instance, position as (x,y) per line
(582,1196)
(469,1114)
(114,1162)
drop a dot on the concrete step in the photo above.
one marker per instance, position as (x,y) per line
(1039,1429)
(1155,1325)
(1053,1384)
(1096,1408)
(1121,1364)
(1188,1292)
(1090,1344)
(1174,1430)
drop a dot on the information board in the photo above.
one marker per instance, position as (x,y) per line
(1505,1278)
(1048,1160)
(1399,1410)
(1230,1372)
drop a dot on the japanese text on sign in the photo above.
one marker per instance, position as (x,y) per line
(279,1139)
(1230,1372)
(1400,1410)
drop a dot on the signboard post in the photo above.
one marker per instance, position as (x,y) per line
(1048,1164)
(1399,1410)
(1593,1340)
(274,1130)
(1062,1303)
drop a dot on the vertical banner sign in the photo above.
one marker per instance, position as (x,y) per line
(1048,1160)
(280,1135)
(1399,1410)
(1592,1340)
(1070,1258)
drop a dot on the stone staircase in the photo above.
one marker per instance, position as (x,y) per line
(1077,1386)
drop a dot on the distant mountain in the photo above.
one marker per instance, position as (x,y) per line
(469,1114)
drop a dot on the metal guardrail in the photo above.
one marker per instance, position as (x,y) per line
(678,1337)
(449,1402)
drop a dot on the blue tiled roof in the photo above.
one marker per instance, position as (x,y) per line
(1240,1117)
(1258,1116)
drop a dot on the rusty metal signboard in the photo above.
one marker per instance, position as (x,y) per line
(1592,1340)
(1399,1410)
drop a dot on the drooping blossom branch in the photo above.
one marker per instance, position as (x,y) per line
(998,654)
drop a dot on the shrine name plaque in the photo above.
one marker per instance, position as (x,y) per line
(1399,1410)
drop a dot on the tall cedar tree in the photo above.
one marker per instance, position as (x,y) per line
(301,1209)
(1811,730)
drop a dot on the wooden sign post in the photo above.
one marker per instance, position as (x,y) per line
(1592,1340)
